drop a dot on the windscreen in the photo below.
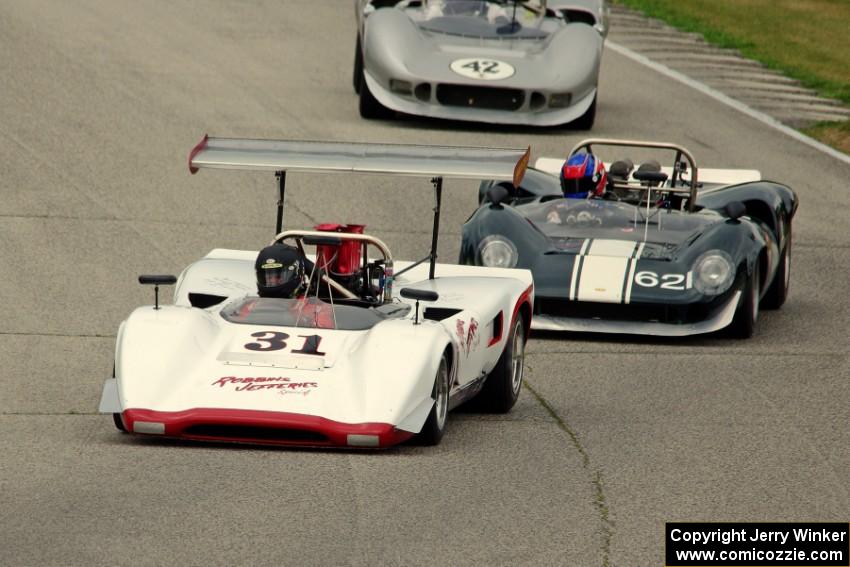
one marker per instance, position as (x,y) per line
(309,313)
(490,19)
(564,220)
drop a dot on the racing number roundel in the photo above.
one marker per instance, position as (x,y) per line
(483,69)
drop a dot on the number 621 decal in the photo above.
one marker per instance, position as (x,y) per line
(678,282)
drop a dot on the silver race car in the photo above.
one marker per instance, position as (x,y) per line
(528,62)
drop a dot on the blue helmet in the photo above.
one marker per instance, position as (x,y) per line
(582,176)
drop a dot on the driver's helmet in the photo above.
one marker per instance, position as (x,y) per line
(583,176)
(280,271)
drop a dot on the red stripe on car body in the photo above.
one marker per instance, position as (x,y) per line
(336,432)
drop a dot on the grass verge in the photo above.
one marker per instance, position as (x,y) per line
(804,39)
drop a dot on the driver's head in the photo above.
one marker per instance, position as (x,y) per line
(280,271)
(582,176)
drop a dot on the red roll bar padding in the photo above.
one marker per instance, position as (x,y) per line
(342,260)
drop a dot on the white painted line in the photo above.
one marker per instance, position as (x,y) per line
(727,100)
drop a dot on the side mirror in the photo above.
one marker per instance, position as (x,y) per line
(498,195)
(157,281)
(735,210)
(419,295)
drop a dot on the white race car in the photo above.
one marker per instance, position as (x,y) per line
(377,351)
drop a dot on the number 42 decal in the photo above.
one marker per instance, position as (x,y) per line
(484,69)
(274,340)
(482,66)
(678,282)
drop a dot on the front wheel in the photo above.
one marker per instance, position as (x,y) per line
(502,387)
(744,323)
(586,120)
(777,293)
(435,426)
(357,77)
(370,108)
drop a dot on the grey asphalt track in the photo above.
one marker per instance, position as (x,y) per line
(100,102)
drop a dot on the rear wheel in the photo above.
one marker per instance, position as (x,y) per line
(586,120)
(435,426)
(777,293)
(357,77)
(504,383)
(744,323)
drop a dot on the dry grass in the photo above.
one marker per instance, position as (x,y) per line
(835,134)
(805,39)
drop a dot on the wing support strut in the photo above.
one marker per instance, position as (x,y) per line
(438,197)
(281,192)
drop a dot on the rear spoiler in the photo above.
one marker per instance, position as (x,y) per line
(503,164)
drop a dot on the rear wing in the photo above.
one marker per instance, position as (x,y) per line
(433,162)
(357,157)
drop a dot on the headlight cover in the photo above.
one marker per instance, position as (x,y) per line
(714,272)
(497,252)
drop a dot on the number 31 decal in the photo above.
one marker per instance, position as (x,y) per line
(273,340)
(678,282)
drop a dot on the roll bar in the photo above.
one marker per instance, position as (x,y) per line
(678,164)
(365,238)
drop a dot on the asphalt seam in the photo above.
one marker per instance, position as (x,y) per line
(599,502)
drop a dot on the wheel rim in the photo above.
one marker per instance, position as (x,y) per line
(442,398)
(517,358)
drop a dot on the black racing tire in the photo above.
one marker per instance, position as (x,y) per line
(743,325)
(116,417)
(777,293)
(501,390)
(586,120)
(370,108)
(357,77)
(435,426)
(119,423)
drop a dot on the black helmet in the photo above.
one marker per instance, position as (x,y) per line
(280,271)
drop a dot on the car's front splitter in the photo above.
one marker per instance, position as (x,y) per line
(721,319)
(261,427)
(517,117)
